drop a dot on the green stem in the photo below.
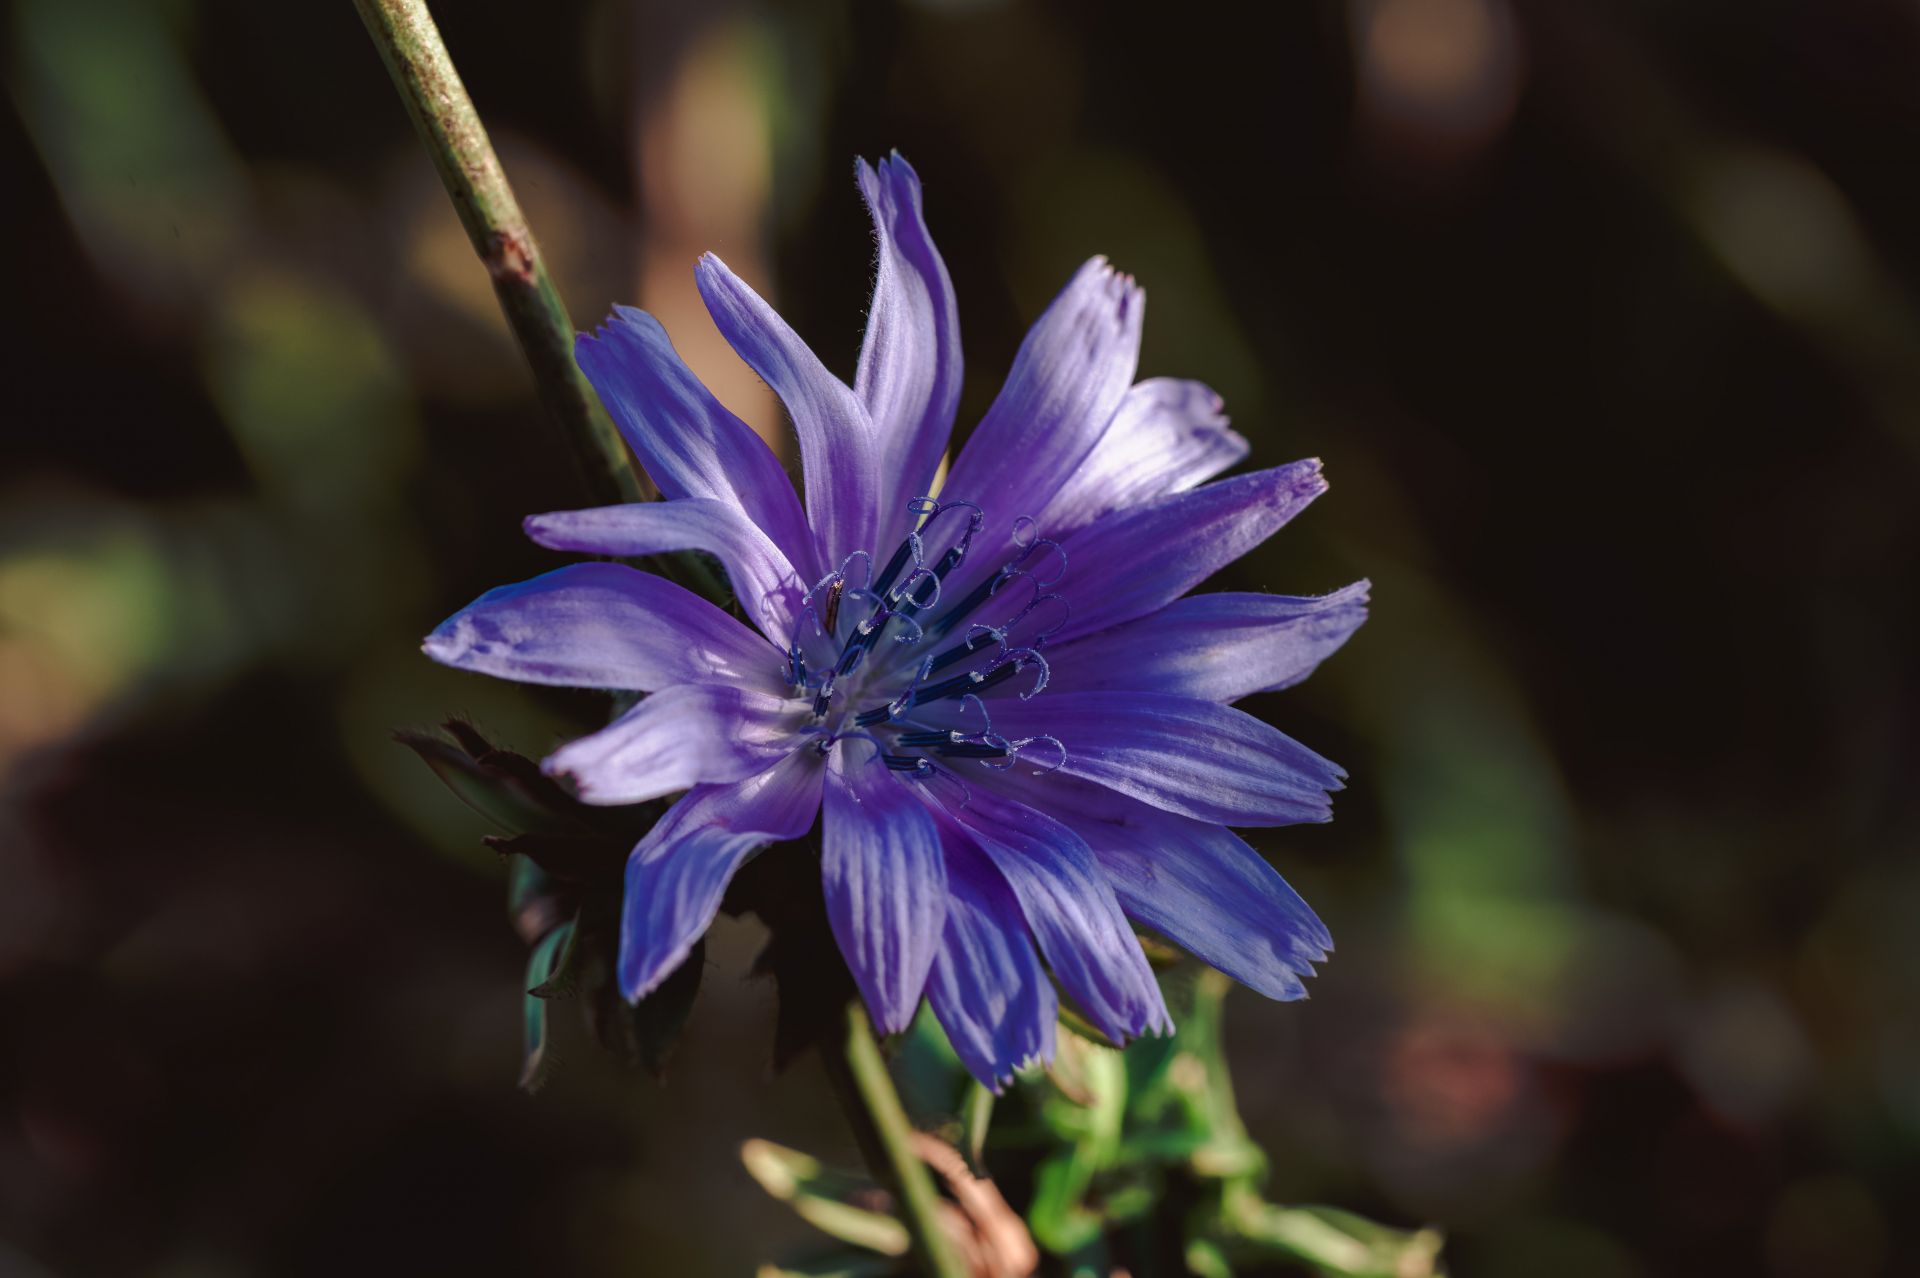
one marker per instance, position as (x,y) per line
(859,1075)
(422,71)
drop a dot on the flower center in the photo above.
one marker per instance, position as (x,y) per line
(872,659)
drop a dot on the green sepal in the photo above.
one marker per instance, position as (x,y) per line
(656,1021)
(537,1058)
(505,788)
(570,858)
(976,1117)
(536,903)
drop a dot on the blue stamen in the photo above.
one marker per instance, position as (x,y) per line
(921,740)
(971,681)
(967,649)
(964,609)
(892,570)
(971,750)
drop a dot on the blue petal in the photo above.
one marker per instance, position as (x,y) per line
(1072,372)
(910,362)
(1198,758)
(688,442)
(603,626)
(886,884)
(1197,884)
(1215,647)
(987,986)
(838,449)
(765,583)
(1166,437)
(1137,560)
(679,872)
(677,738)
(1071,909)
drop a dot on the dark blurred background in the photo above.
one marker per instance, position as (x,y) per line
(1605,317)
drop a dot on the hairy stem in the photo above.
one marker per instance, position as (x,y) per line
(860,1078)
(417,59)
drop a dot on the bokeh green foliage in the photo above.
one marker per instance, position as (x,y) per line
(1129,1160)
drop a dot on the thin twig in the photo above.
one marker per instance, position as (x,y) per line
(859,1075)
(422,71)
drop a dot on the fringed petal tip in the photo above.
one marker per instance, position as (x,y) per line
(1120,289)
(1306,478)
(623,318)
(1156,1022)
(890,175)
(624,330)
(999,1083)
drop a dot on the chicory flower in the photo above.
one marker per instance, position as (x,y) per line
(993,693)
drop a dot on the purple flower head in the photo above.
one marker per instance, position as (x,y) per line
(1014,727)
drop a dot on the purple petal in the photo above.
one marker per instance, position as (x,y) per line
(603,626)
(1135,561)
(1167,436)
(910,363)
(1197,884)
(987,986)
(688,442)
(886,885)
(1198,758)
(838,450)
(765,583)
(678,873)
(1071,910)
(1072,372)
(1213,647)
(677,738)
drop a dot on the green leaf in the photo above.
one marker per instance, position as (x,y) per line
(976,1116)
(843,1206)
(1333,1241)
(1088,1111)
(1206,1260)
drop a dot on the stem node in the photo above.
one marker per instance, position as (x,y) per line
(450,128)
